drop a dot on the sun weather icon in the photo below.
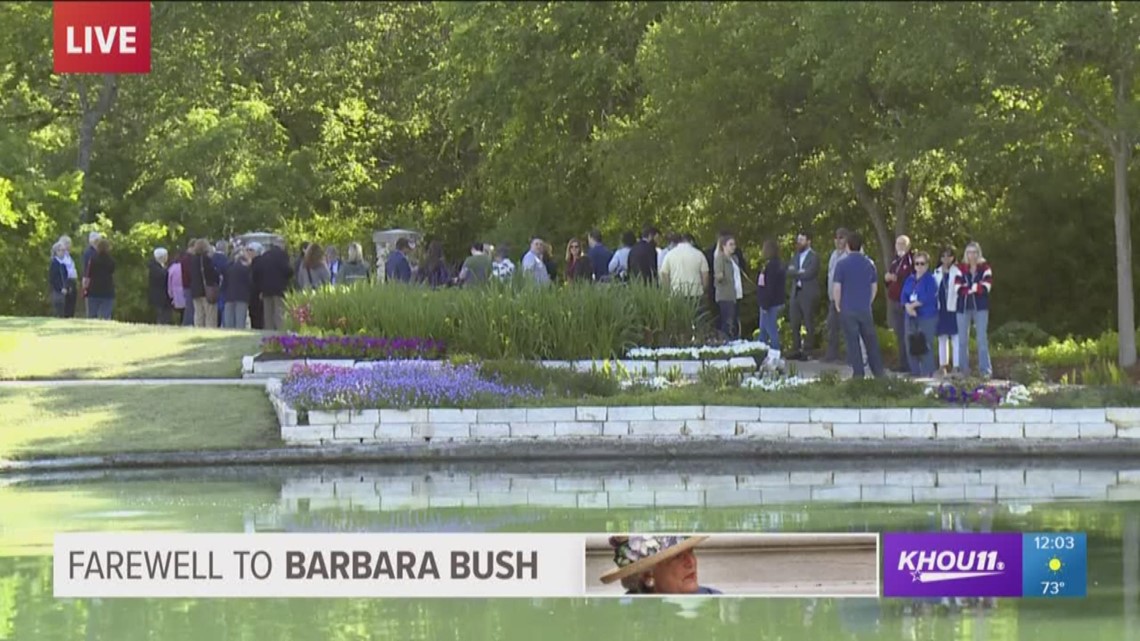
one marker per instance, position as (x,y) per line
(1054,564)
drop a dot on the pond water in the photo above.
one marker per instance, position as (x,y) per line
(1100,498)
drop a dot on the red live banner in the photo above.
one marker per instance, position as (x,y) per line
(101,37)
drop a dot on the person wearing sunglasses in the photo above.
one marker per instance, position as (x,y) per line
(920,302)
(579,267)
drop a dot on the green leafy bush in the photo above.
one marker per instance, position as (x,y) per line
(552,381)
(1027,372)
(498,321)
(1078,397)
(1020,334)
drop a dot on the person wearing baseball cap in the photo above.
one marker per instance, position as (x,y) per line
(656,565)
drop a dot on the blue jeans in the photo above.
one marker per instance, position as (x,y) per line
(729,322)
(769,329)
(99,307)
(188,315)
(981,320)
(921,365)
(860,326)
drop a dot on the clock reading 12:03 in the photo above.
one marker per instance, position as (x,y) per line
(1054,564)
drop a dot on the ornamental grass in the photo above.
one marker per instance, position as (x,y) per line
(503,321)
(355,347)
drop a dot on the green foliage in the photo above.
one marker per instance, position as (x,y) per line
(1019,334)
(720,377)
(1027,372)
(552,381)
(1078,397)
(498,321)
(496,121)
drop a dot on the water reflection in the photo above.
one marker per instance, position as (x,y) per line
(1101,499)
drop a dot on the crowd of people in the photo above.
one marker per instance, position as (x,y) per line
(225,284)
(932,308)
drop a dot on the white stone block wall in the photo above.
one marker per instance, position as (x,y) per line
(947,485)
(681,422)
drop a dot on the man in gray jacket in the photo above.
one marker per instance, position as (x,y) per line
(833,329)
(803,272)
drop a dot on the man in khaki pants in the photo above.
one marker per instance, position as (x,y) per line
(271,276)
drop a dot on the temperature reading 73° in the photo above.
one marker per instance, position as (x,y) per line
(1052,587)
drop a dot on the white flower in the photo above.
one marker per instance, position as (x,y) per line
(773,383)
(1017,395)
(728,350)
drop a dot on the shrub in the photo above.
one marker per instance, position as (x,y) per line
(552,381)
(1072,352)
(1078,397)
(1027,372)
(497,321)
(1020,334)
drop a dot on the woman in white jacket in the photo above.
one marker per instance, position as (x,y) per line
(945,275)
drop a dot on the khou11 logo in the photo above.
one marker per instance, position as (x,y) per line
(101,37)
(952,565)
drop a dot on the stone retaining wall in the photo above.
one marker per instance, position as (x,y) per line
(252,368)
(383,493)
(700,422)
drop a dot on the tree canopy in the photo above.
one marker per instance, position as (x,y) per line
(1008,123)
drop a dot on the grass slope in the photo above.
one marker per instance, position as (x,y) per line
(48,348)
(70,421)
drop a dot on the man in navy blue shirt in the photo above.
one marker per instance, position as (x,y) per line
(397,266)
(599,255)
(854,289)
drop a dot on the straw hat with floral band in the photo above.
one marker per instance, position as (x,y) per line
(637,555)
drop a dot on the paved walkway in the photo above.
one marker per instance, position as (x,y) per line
(103,382)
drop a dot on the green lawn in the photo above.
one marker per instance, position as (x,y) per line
(46,421)
(48,348)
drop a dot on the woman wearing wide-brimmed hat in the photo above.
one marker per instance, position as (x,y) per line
(656,565)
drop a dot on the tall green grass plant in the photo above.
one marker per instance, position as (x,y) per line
(510,320)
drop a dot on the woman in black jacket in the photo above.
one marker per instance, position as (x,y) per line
(204,281)
(771,292)
(157,292)
(101,282)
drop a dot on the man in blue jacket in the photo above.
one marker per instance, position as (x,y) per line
(599,255)
(397,267)
(271,275)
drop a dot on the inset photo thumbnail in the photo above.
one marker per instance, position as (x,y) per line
(762,565)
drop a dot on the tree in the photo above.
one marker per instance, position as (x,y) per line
(1080,59)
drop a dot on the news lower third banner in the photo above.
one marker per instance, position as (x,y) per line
(505,565)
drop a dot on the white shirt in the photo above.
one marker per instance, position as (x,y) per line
(736,280)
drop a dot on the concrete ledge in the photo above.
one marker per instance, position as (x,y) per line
(586,450)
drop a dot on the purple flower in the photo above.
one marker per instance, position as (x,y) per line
(395,384)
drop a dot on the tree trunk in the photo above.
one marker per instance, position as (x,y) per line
(900,193)
(1125,303)
(878,221)
(91,116)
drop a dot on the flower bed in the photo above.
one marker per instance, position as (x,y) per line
(293,346)
(986,395)
(755,349)
(397,385)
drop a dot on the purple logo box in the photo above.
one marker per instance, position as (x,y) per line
(951,564)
